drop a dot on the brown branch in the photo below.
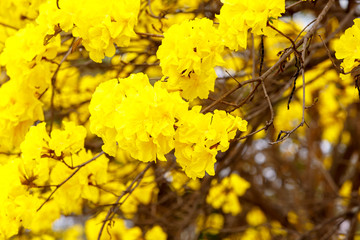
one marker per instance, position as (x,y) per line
(289,51)
(9,26)
(284,35)
(340,70)
(208,108)
(283,57)
(281,137)
(268,123)
(118,204)
(151,13)
(53,81)
(318,227)
(68,178)
(293,5)
(304,29)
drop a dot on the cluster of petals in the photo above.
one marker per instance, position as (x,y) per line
(188,54)
(348,47)
(225,194)
(148,122)
(238,16)
(199,137)
(135,116)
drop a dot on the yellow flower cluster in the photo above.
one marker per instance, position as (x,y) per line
(51,159)
(15,14)
(136,116)
(119,230)
(18,206)
(348,47)
(188,54)
(148,122)
(19,109)
(238,16)
(199,137)
(28,64)
(225,194)
(47,160)
(155,233)
(98,25)
(26,49)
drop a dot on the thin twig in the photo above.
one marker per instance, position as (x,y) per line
(152,13)
(330,57)
(284,35)
(117,204)
(293,5)
(282,137)
(268,123)
(206,109)
(300,42)
(253,59)
(53,81)
(304,29)
(318,227)
(9,26)
(68,178)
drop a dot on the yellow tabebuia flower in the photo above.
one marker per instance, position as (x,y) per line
(238,16)
(215,222)
(188,54)
(348,47)
(100,26)
(199,137)
(136,117)
(29,65)
(18,206)
(74,232)
(52,159)
(145,122)
(155,233)
(19,110)
(261,233)
(255,217)
(26,49)
(67,141)
(345,192)
(105,100)
(225,194)
(83,185)
(181,182)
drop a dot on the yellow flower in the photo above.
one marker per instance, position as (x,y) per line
(155,233)
(116,230)
(107,97)
(102,25)
(225,194)
(199,137)
(69,140)
(348,47)
(136,117)
(255,217)
(188,54)
(19,110)
(238,16)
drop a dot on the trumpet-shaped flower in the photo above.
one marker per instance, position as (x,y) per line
(188,54)
(136,117)
(199,137)
(225,194)
(348,47)
(238,16)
